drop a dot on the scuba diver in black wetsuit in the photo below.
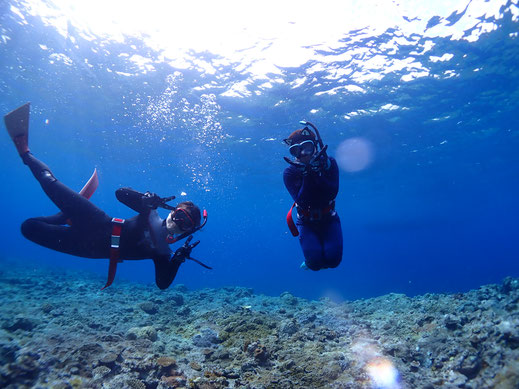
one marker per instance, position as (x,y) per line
(312,180)
(92,233)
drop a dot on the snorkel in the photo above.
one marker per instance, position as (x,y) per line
(171,239)
(319,139)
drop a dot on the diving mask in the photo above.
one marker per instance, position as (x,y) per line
(302,149)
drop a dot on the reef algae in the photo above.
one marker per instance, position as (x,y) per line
(57,330)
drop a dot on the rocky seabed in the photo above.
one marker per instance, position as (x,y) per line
(58,330)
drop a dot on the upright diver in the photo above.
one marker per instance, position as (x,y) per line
(84,230)
(312,180)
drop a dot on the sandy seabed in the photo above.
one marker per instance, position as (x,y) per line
(58,330)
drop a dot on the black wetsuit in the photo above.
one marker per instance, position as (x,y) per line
(142,236)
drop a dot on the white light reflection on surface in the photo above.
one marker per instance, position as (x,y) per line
(262,38)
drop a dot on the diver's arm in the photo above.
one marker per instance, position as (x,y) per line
(293,179)
(328,181)
(132,199)
(166,270)
(302,187)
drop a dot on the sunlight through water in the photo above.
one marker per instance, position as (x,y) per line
(261,39)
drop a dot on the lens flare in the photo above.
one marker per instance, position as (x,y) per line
(369,356)
(355,154)
(383,374)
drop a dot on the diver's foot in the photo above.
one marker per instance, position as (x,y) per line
(21,143)
(303,266)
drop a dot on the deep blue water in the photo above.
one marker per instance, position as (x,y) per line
(435,210)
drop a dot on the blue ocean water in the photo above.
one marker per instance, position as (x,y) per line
(418,104)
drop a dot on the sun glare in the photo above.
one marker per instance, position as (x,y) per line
(262,37)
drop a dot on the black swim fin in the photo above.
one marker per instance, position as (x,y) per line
(17,124)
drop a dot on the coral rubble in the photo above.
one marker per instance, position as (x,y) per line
(59,330)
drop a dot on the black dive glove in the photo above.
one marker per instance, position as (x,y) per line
(319,163)
(153,201)
(184,252)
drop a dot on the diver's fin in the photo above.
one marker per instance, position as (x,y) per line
(91,186)
(17,124)
(88,190)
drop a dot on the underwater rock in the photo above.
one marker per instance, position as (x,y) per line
(180,288)
(7,353)
(470,366)
(149,307)
(288,299)
(20,323)
(177,299)
(147,332)
(135,384)
(184,311)
(452,322)
(172,382)
(101,371)
(510,332)
(306,317)
(206,338)
(47,308)
(509,284)
(24,370)
(166,362)
(288,328)
(508,377)
(260,353)
(195,366)
(108,360)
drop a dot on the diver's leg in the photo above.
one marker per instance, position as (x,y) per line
(71,203)
(333,243)
(312,247)
(165,271)
(55,237)
(58,219)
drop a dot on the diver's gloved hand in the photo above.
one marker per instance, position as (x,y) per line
(184,252)
(320,164)
(151,200)
(303,168)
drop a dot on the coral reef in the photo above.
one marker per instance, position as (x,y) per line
(58,330)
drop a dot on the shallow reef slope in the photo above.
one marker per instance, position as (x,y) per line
(58,330)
